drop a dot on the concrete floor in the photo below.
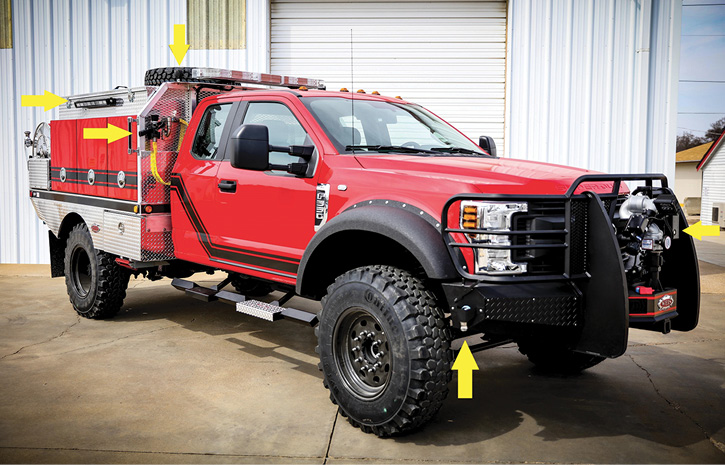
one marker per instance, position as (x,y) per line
(175,380)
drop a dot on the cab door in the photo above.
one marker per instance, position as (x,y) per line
(269,215)
(194,207)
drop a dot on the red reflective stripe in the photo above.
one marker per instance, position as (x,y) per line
(671,309)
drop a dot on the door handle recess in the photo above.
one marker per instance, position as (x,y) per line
(228,186)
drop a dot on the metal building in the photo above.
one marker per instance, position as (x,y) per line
(582,83)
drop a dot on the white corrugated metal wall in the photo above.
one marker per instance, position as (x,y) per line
(594,84)
(77,46)
(713,184)
(447,55)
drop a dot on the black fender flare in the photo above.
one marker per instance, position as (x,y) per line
(412,232)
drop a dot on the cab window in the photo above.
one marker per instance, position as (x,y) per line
(209,134)
(284,129)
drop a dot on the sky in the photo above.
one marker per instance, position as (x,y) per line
(702,66)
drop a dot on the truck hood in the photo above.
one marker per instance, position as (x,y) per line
(485,175)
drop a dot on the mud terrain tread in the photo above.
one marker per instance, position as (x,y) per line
(157,76)
(428,338)
(111,281)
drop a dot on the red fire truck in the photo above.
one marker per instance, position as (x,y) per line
(409,233)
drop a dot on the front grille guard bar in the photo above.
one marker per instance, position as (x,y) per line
(454,248)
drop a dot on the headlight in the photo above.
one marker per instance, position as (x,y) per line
(492,216)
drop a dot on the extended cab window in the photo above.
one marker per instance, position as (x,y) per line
(284,129)
(209,134)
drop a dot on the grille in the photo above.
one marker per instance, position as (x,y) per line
(542,216)
(579,230)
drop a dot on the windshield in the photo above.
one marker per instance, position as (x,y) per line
(370,126)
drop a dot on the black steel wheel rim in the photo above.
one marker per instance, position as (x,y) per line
(81,271)
(362,353)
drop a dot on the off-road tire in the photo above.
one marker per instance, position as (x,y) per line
(418,337)
(96,284)
(250,287)
(157,76)
(553,358)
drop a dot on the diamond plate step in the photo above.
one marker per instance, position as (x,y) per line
(261,310)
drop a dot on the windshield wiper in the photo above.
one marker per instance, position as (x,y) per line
(459,150)
(388,148)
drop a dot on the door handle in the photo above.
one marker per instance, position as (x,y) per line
(228,186)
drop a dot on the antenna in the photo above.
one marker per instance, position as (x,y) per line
(352,96)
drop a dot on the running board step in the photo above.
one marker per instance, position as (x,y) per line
(266,311)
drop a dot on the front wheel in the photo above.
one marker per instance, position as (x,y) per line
(384,349)
(96,284)
(552,357)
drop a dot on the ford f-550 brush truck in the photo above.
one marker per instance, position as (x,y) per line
(409,233)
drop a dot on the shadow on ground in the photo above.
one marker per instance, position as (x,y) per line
(616,398)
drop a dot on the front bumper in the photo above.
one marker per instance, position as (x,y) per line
(586,296)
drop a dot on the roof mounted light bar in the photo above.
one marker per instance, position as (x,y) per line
(246,77)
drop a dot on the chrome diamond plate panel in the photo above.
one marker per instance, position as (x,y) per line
(52,212)
(137,237)
(39,173)
(259,309)
(156,242)
(122,234)
(134,101)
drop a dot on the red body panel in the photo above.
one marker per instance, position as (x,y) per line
(92,155)
(120,160)
(63,144)
(263,229)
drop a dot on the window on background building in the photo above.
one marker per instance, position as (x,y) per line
(6,24)
(216,24)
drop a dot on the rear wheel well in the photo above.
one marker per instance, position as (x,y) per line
(347,250)
(57,244)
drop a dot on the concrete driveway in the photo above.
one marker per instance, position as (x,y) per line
(172,379)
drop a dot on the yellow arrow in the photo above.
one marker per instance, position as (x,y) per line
(179,47)
(48,101)
(465,364)
(111,133)
(698,230)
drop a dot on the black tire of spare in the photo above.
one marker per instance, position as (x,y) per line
(413,326)
(250,287)
(553,358)
(157,76)
(96,283)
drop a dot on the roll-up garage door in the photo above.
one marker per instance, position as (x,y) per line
(449,56)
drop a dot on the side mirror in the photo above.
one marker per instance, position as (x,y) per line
(487,144)
(250,147)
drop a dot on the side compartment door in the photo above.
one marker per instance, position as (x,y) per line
(269,215)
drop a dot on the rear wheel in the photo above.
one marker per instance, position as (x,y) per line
(384,350)
(96,284)
(552,357)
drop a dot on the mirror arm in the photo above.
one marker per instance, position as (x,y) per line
(279,148)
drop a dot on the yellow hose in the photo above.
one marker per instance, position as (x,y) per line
(154,168)
(182,132)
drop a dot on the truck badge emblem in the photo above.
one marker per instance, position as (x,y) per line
(665,302)
(321,200)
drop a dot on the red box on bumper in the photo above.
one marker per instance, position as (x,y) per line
(652,308)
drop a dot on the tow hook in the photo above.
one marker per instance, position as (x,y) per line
(464,314)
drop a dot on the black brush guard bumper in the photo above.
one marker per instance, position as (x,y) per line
(585,298)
